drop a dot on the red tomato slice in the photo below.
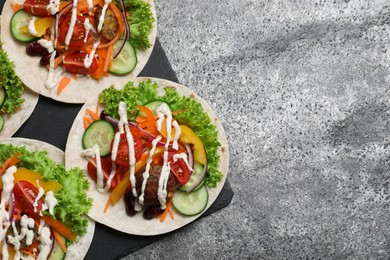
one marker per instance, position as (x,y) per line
(179,169)
(79,31)
(122,156)
(37,7)
(25,194)
(106,169)
(74,63)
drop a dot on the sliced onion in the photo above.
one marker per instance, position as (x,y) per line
(11,207)
(65,10)
(190,156)
(203,174)
(52,241)
(126,33)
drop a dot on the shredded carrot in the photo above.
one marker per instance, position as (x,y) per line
(97,108)
(171,213)
(99,73)
(74,76)
(108,58)
(92,114)
(31,250)
(61,241)
(107,205)
(9,162)
(63,83)
(16,7)
(87,121)
(165,213)
(60,227)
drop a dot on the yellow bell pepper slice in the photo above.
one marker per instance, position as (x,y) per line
(41,25)
(188,136)
(23,174)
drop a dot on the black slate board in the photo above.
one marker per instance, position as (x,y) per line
(51,121)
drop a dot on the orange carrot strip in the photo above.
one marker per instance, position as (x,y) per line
(74,76)
(171,213)
(87,121)
(108,58)
(16,7)
(60,227)
(97,108)
(165,213)
(61,241)
(92,114)
(63,83)
(14,160)
(107,205)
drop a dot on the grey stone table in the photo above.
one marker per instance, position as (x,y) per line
(303,91)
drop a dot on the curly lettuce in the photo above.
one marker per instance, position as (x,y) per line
(11,83)
(192,115)
(73,202)
(140,18)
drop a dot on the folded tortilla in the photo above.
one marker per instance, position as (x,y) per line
(79,249)
(116,217)
(33,75)
(14,122)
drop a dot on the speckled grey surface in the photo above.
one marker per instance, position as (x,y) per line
(302,88)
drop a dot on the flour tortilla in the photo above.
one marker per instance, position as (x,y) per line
(116,217)
(34,75)
(14,122)
(79,249)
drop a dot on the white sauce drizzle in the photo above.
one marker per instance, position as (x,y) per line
(175,144)
(31,26)
(50,201)
(47,44)
(52,77)
(39,196)
(184,157)
(145,175)
(45,245)
(101,18)
(53,6)
(123,127)
(73,20)
(162,112)
(90,6)
(88,27)
(89,57)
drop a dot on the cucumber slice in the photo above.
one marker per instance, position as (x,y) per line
(2,96)
(20,19)
(126,61)
(153,105)
(191,203)
(2,122)
(196,177)
(57,253)
(101,133)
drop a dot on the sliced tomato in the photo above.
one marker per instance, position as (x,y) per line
(25,195)
(179,169)
(106,169)
(79,31)
(37,7)
(74,63)
(122,156)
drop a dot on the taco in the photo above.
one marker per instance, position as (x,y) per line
(43,205)
(108,41)
(179,154)
(16,102)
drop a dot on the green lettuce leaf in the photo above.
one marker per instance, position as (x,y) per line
(73,202)
(192,116)
(140,18)
(12,85)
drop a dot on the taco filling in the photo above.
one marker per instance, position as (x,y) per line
(94,38)
(153,150)
(43,206)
